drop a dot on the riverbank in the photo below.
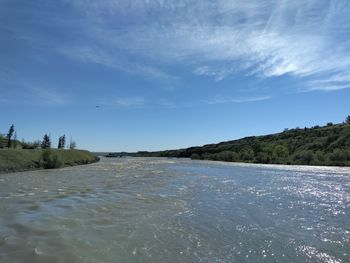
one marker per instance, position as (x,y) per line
(320,146)
(18,160)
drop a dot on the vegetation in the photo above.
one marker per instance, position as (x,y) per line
(50,160)
(347,119)
(72,145)
(16,160)
(62,142)
(46,143)
(22,156)
(9,135)
(328,145)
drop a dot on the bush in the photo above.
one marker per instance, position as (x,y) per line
(30,145)
(226,156)
(280,151)
(304,157)
(50,160)
(195,156)
(338,156)
(246,154)
(262,157)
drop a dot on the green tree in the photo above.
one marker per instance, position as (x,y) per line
(15,140)
(247,153)
(338,156)
(72,144)
(304,157)
(263,157)
(347,119)
(46,143)
(9,135)
(280,152)
(226,156)
(61,142)
(195,156)
(321,158)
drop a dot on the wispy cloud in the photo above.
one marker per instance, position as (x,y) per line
(28,92)
(130,102)
(109,59)
(48,96)
(220,99)
(217,39)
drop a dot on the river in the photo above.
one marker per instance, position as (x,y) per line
(175,210)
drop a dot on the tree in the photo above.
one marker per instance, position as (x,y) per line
(304,157)
(15,140)
(280,151)
(226,156)
(62,142)
(195,156)
(347,119)
(46,143)
(72,144)
(246,154)
(59,146)
(9,135)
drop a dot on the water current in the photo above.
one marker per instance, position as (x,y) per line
(175,210)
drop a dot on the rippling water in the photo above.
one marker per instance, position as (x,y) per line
(165,210)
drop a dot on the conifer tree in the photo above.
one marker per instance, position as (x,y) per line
(9,135)
(46,143)
(59,143)
(347,119)
(62,142)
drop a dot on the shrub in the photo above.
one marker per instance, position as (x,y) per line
(304,157)
(195,156)
(50,160)
(280,151)
(338,155)
(262,157)
(246,153)
(226,156)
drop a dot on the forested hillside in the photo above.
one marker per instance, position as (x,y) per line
(328,145)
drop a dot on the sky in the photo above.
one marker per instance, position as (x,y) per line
(154,75)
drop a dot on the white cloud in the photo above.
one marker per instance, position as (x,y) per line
(108,59)
(130,102)
(26,91)
(166,103)
(48,96)
(220,38)
(220,99)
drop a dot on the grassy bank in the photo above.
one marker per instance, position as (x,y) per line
(16,160)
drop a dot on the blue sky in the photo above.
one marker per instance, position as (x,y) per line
(171,74)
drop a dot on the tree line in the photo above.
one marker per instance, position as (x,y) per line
(327,145)
(10,140)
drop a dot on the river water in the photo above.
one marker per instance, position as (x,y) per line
(176,210)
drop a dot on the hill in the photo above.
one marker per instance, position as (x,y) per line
(327,145)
